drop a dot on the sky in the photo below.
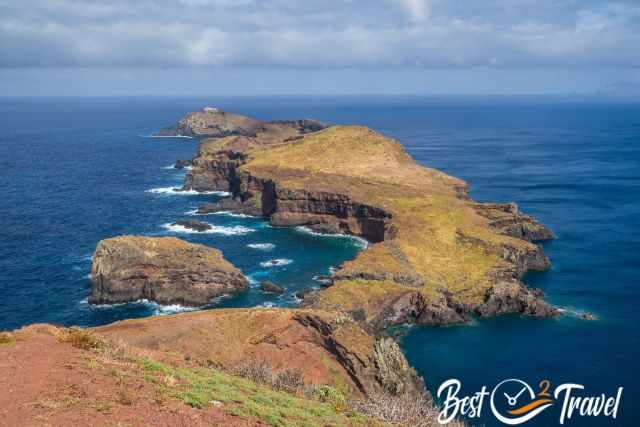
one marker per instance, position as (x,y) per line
(324,47)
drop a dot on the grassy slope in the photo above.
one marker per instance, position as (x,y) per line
(426,206)
(82,379)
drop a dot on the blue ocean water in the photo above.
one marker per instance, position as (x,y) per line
(75,170)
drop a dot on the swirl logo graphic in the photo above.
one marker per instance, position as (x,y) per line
(514,402)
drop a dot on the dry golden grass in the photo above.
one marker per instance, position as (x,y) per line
(426,205)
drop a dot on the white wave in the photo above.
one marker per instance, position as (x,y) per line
(88,276)
(170,309)
(276,262)
(262,246)
(215,229)
(174,168)
(358,241)
(178,191)
(267,304)
(158,309)
(233,214)
(166,136)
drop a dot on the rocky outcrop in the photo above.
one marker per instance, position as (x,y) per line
(507,218)
(435,256)
(271,288)
(326,347)
(194,225)
(166,270)
(215,123)
(181,164)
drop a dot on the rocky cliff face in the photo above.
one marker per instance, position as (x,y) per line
(436,257)
(165,270)
(326,347)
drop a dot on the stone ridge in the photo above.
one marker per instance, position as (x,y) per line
(437,257)
(166,270)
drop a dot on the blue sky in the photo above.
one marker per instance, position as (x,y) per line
(184,47)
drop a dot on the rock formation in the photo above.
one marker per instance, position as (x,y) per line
(271,287)
(181,164)
(194,225)
(436,256)
(216,123)
(166,270)
(326,347)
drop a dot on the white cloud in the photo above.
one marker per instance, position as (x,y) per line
(418,10)
(320,33)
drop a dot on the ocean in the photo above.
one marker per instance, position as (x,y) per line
(77,170)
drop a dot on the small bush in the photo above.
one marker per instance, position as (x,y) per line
(332,396)
(259,371)
(6,338)
(289,380)
(255,370)
(82,339)
(405,410)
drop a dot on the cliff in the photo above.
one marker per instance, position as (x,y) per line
(69,376)
(166,270)
(436,256)
(326,348)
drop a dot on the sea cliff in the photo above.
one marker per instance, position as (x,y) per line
(435,256)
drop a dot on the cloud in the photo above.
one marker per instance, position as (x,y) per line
(320,33)
(418,9)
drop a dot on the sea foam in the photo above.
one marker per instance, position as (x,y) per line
(276,262)
(178,191)
(215,229)
(358,241)
(262,246)
(166,136)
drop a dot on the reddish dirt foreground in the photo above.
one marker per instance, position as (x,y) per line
(47,382)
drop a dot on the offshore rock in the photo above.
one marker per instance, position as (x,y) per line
(166,270)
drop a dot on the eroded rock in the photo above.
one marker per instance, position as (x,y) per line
(166,270)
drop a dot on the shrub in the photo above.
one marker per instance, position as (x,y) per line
(6,338)
(332,396)
(289,380)
(404,410)
(82,339)
(254,370)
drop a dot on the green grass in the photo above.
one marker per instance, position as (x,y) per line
(199,387)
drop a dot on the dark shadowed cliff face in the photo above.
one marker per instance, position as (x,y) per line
(436,257)
(161,269)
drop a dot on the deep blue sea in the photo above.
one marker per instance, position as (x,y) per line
(74,171)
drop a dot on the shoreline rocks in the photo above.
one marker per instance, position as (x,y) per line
(165,270)
(192,224)
(271,288)
(181,164)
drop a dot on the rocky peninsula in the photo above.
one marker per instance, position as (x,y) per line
(435,256)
